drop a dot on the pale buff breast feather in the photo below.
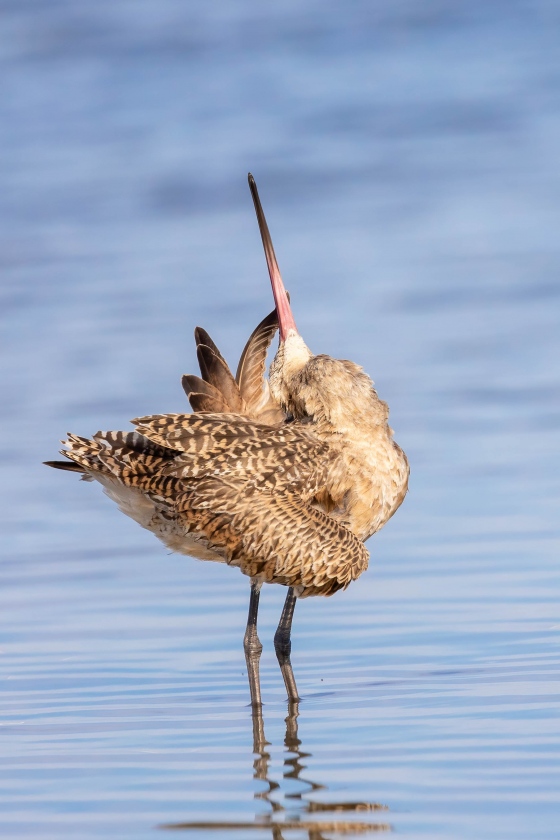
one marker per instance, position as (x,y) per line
(283,478)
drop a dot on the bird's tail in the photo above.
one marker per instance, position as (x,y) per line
(82,457)
(112,454)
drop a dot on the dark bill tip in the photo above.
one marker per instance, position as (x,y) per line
(286,320)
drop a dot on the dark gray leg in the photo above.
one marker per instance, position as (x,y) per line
(283,645)
(252,646)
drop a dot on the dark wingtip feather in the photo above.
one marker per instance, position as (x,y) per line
(215,371)
(203,396)
(202,403)
(202,337)
(64,465)
(194,384)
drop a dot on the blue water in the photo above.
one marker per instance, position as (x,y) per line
(407,158)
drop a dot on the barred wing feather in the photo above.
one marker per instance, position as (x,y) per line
(275,537)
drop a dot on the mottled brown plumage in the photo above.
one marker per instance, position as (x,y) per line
(283,480)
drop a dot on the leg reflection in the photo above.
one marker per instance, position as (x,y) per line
(290,810)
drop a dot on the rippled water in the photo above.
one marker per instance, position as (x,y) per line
(406,154)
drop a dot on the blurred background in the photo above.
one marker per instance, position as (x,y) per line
(406,153)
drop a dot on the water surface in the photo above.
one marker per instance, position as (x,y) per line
(406,155)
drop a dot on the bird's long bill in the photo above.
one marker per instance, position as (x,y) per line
(285,318)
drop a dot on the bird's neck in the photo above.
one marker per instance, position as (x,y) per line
(292,356)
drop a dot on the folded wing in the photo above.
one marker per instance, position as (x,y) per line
(228,488)
(275,537)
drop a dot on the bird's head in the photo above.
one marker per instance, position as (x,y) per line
(326,389)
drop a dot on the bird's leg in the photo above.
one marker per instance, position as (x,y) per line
(252,645)
(283,645)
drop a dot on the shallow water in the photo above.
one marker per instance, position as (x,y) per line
(406,155)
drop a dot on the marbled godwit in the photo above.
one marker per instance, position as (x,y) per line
(284,479)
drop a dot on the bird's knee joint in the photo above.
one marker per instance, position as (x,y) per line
(252,645)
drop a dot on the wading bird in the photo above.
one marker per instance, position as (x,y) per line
(284,479)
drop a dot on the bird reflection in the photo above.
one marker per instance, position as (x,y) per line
(299,812)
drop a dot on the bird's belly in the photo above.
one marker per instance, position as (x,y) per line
(372,510)
(167,528)
(175,537)
(368,516)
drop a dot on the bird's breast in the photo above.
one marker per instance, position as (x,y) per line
(368,482)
